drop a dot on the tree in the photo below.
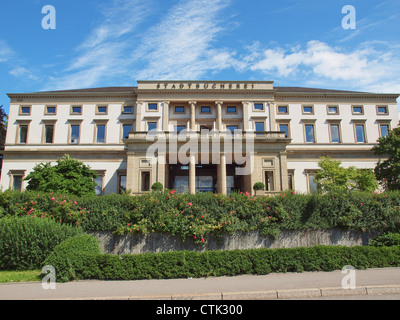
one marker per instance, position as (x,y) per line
(388,171)
(334,178)
(67,176)
(3,127)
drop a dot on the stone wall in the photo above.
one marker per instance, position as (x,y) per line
(159,242)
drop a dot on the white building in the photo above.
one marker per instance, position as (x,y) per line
(107,129)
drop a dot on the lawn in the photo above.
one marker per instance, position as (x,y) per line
(19,276)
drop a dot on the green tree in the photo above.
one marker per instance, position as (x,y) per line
(332,177)
(67,176)
(388,171)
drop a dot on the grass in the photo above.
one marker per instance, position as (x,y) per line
(19,276)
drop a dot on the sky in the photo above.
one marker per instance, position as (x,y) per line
(98,43)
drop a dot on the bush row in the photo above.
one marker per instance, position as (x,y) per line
(85,263)
(202,215)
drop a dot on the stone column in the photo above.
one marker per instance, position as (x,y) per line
(219,115)
(284,171)
(272,122)
(192,115)
(222,188)
(131,172)
(139,105)
(192,174)
(166,116)
(245,116)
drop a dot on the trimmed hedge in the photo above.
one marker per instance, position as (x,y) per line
(26,242)
(184,264)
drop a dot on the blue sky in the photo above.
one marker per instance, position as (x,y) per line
(117,42)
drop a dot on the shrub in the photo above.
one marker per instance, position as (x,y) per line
(259,186)
(386,240)
(183,264)
(26,242)
(157,186)
(69,249)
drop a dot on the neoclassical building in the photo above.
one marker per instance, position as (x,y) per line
(196,136)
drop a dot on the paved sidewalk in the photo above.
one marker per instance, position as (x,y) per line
(248,287)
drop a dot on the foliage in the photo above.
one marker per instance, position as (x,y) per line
(184,264)
(388,171)
(259,186)
(68,176)
(157,186)
(386,240)
(26,242)
(334,178)
(3,126)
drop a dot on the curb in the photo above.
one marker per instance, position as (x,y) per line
(266,295)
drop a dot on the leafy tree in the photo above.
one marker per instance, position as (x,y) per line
(332,177)
(388,171)
(3,127)
(67,176)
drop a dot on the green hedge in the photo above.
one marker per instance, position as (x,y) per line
(26,242)
(207,215)
(184,264)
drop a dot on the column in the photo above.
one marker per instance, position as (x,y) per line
(222,189)
(245,116)
(272,122)
(284,171)
(166,116)
(131,172)
(219,115)
(192,174)
(139,116)
(192,115)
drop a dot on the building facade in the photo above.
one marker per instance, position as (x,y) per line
(196,136)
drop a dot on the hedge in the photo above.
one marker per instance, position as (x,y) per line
(26,242)
(207,215)
(184,264)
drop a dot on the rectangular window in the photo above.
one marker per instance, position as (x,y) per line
(360,133)
(152,107)
(358,110)
(25,111)
(259,126)
(99,185)
(23,133)
(75,131)
(205,109)
(48,133)
(231,109)
(283,110)
(101,133)
(291,179)
(335,133)
(333,110)
(126,128)
(382,110)
(384,130)
(232,128)
(151,126)
(309,131)
(17,182)
(101,110)
(259,106)
(312,185)
(51,110)
(179,109)
(122,184)
(127,109)
(145,181)
(179,128)
(284,127)
(308,110)
(269,181)
(76,110)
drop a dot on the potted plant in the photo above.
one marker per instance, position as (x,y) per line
(259,188)
(157,187)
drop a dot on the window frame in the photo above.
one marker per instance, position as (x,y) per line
(72,113)
(47,113)
(355,125)
(21,107)
(386,113)
(307,113)
(305,124)
(71,124)
(282,106)
(357,113)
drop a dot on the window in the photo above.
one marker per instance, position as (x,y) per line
(334,133)
(259,126)
(283,110)
(99,184)
(51,110)
(152,107)
(309,131)
(100,133)
(122,183)
(231,109)
(291,179)
(382,110)
(17,182)
(360,133)
(205,109)
(232,128)
(75,133)
(284,127)
(151,126)
(308,110)
(101,110)
(269,181)
(384,129)
(76,110)
(23,133)
(126,128)
(127,109)
(180,128)
(179,109)
(358,110)
(259,106)
(48,133)
(312,185)
(145,183)
(333,110)
(25,111)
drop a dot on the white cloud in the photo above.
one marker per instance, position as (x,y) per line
(6,53)
(22,72)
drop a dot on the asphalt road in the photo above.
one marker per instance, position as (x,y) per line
(309,285)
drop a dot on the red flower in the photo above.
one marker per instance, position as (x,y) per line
(293,192)
(190,204)
(195,237)
(172,191)
(202,239)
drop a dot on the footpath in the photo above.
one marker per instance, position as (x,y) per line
(248,287)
